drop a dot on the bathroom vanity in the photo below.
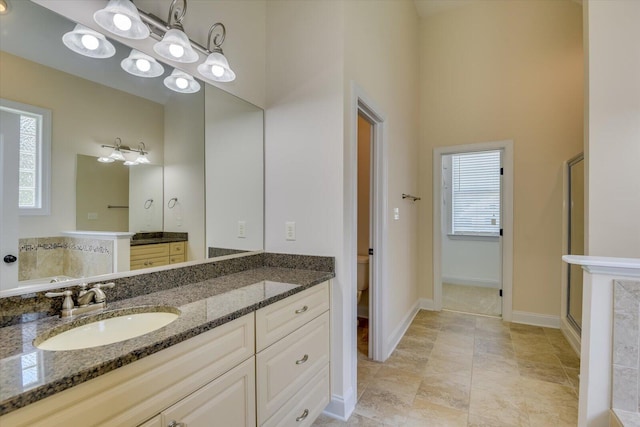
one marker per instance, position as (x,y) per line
(250,347)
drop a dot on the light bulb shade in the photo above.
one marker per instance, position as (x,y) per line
(175,45)
(130,163)
(116,154)
(105,159)
(216,68)
(141,64)
(142,159)
(182,82)
(121,17)
(89,43)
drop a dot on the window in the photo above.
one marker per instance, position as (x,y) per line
(475,193)
(34,154)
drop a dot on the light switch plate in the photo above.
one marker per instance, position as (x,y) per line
(290,230)
(242,229)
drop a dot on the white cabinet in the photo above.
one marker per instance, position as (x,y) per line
(226,401)
(292,373)
(213,379)
(136,392)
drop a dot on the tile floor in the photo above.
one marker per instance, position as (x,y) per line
(455,369)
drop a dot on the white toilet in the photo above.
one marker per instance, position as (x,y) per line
(363,274)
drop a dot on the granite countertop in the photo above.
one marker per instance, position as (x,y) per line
(155,240)
(28,374)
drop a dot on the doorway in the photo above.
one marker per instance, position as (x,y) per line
(365,197)
(472,229)
(373,129)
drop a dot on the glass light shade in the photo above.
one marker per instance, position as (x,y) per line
(141,64)
(105,159)
(121,17)
(180,81)
(130,163)
(216,68)
(142,159)
(175,45)
(116,154)
(89,43)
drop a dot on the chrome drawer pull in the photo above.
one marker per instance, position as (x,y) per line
(304,359)
(173,423)
(302,310)
(304,415)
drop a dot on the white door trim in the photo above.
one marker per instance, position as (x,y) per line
(361,103)
(507,212)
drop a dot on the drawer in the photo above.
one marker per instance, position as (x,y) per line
(281,318)
(283,368)
(149,251)
(176,258)
(305,406)
(148,262)
(176,248)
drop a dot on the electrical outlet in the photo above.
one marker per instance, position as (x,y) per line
(396,213)
(92,216)
(290,230)
(242,229)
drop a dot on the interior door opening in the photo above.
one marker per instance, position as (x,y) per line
(476,222)
(365,198)
(470,227)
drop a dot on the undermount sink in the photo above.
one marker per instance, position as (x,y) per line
(106,328)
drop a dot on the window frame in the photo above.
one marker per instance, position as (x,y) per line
(448,194)
(44,151)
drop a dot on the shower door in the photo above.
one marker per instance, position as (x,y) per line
(576,239)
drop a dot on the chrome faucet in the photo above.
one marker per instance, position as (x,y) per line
(88,300)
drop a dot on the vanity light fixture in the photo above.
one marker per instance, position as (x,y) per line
(141,65)
(118,153)
(216,67)
(175,45)
(179,81)
(89,43)
(121,18)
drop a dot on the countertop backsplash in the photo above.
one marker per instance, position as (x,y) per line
(33,306)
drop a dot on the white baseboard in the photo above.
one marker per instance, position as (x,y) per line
(340,408)
(400,330)
(535,319)
(426,304)
(470,281)
(571,335)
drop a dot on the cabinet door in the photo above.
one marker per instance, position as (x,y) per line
(153,422)
(226,401)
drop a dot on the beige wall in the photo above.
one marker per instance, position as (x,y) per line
(112,180)
(499,70)
(381,41)
(613,143)
(79,126)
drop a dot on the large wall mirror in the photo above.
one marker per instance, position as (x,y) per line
(205,152)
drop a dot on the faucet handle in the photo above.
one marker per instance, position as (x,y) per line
(68,299)
(103,285)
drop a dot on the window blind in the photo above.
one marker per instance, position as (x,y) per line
(476,193)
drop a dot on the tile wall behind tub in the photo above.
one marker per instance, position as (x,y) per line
(626,346)
(88,257)
(63,256)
